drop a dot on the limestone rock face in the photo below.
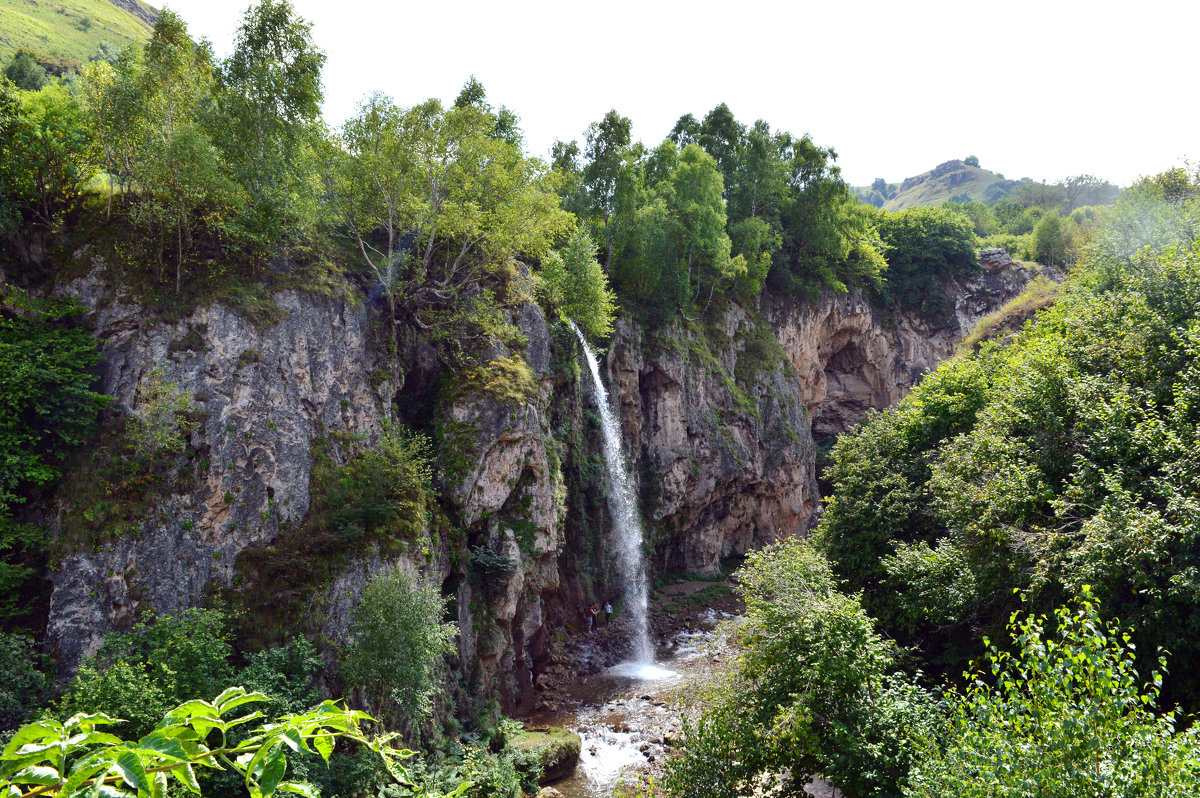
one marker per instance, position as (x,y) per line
(852,356)
(719,423)
(723,467)
(263,396)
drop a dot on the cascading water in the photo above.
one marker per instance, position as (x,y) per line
(624,512)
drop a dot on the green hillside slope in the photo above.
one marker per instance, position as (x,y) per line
(950,180)
(69,32)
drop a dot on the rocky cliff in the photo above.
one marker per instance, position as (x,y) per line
(718,420)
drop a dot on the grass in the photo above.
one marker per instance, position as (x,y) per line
(1040,293)
(932,190)
(67,32)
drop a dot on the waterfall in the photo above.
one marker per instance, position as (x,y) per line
(624,511)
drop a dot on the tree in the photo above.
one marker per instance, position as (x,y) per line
(25,72)
(720,135)
(578,286)
(1063,714)
(926,247)
(810,694)
(178,170)
(605,153)
(49,158)
(507,125)
(439,206)
(1080,190)
(685,132)
(971,160)
(113,97)
(829,241)
(47,408)
(269,93)
(1050,241)
(48,404)
(397,643)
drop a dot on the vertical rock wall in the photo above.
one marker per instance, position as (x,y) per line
(718,422)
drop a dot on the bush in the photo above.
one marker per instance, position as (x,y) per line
(25,688)
(811,693)
(1063,455)
(138,675)
(398,640)
(381,494)
(924,248)
(1064,714)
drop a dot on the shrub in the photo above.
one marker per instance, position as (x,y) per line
(25,688)
(810,695)
(381,494)
(397,643)
(1065,714)
(138,675)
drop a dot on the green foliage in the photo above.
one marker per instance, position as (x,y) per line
(398,640)
(810,693)
(25,688)
(1061,456)
(578,287)
(925,247)
(382,494)
(140,674)
(714,212)
(270,103)
(285,676)
(47,405)
(48,159)
(491,775)
(159,424)
(1063,714)
(47,409)
(1050,240)
(439,206)
(25,72)
(75,757)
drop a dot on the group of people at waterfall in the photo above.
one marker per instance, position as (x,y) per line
(592,613)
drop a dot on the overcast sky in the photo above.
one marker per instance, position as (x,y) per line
(1041,89)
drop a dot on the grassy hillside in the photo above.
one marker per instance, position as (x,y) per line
(70,31)
(950,180)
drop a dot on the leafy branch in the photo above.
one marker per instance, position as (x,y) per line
(75,758)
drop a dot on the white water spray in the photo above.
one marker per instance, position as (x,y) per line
(624,511)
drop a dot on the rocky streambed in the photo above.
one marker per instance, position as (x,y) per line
(628,713)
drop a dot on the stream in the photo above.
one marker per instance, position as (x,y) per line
(626,714)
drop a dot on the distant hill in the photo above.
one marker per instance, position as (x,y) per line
(950,180)
(65,34)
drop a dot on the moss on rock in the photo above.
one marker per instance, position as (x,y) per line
(557,748)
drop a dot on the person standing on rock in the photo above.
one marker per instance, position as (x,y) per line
(591,615)
(607,613)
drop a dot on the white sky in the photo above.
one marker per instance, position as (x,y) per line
(1041,88)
